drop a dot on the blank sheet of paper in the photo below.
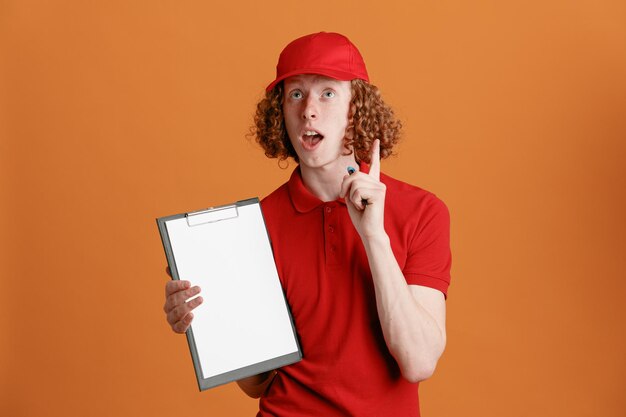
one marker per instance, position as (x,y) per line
(243,327)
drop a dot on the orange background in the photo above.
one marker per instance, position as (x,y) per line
(115,113)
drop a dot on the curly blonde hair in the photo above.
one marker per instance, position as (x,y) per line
(369,118)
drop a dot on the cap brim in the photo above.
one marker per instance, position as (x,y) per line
(337,75)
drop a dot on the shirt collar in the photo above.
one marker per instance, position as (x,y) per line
(302,199)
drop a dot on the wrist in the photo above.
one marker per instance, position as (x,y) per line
(376,240)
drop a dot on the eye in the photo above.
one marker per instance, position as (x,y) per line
(295,94)
(328,94)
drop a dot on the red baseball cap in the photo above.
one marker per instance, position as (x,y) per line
(323,53)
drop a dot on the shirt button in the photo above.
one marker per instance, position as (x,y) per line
(328,209)
(330,229)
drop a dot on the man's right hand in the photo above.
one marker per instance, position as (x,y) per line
(177,308)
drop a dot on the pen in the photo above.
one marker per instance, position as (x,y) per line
(364,201)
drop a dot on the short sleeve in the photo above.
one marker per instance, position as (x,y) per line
(429,258)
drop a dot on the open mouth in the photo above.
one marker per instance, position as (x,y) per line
(310,139)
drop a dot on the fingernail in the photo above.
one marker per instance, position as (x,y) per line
(351,170)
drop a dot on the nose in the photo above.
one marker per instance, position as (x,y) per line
(310,111)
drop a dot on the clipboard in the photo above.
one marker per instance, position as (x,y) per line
(244,326)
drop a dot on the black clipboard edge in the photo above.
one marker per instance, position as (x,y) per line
(257,368)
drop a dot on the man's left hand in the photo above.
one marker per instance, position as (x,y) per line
(365,197)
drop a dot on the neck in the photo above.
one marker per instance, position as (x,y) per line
(325,182)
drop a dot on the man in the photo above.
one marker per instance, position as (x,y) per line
(363,259)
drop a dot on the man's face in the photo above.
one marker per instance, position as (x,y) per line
(316,116)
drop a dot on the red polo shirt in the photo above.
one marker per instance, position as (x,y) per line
(347,368)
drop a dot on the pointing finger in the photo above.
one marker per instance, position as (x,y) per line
(375,160)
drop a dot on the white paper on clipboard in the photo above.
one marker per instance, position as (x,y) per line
(244,326)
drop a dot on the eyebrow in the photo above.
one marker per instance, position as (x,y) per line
(321,87)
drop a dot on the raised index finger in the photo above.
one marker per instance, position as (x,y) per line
(375,160)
